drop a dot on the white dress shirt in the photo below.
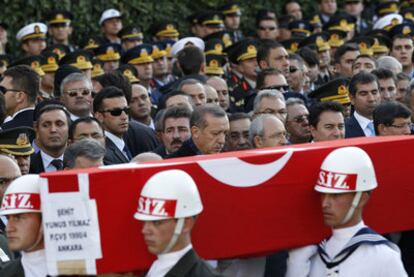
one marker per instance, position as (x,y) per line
(47,161)
(363,122)
(166,262)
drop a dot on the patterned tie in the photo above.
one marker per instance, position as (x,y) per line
(58,164)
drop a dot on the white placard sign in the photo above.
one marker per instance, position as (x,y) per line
(71,229)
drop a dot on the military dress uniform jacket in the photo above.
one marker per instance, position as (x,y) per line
(239,97)
(190,265)
(366,254)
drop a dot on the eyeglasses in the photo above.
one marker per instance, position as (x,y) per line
(300,118)
(293,69)
(403,126)
(264,28)
(281,88)
(117,111)
(75,93)
(5,90)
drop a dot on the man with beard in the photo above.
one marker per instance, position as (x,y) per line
(297,121)
(76,95)
(175,129)
(238,138)
(16,143)
(51,126)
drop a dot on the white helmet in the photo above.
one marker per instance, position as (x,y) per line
(22,196)
(347,169)
(169,194)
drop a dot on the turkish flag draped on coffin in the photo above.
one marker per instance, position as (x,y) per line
(255,202)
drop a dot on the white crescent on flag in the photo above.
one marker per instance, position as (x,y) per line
(237,173)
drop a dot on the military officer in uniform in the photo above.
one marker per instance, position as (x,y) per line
(246,54)
(60,27)
(49,65)
(168,234)
(80,59)
(346,181)
(110,55)
(232,14)
(32,38)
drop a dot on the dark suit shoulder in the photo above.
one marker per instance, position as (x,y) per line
(36,163)
(160,150)
(140,138)
(191,265)
(352,128)
(112,154)
(24,118)
(13,269)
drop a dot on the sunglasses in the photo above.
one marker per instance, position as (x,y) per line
(5,90)
(281,88)
(117,111)
(75,93)
(262,28)
(293,69)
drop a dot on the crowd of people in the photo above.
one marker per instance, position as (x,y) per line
(124,97)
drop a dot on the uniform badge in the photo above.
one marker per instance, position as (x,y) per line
(22,139)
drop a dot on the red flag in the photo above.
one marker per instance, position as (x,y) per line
(255,202)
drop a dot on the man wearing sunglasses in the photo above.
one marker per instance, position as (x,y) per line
(20,87)
(111,109)
(76,95)
(297,121)
(60,27)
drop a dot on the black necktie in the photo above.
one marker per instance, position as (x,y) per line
(127,152)
(57,163)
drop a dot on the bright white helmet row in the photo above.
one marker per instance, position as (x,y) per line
(347,169)
(22,196)
(169,194)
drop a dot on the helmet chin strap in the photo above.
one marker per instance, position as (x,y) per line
(38,240)
(351,210)
(177,231)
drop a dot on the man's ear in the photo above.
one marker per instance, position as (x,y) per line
(381,129)
(263,64)
(195,132)
(98,116)
(188,224)
(258,142)
(364,199)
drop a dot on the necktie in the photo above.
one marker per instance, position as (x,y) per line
(127,152)
(370,126)
(58,164)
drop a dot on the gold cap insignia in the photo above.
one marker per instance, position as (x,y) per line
(51,60)
(251,49)
(97,67)
(22,139)
(406,30)
(80,59)
(35,64)
(342,90)
(110,51)
(214,63)
(362,45)
(294,46)
(128,73)
(394,21)
(143,53)
(227,40)
(36,29)
(218,48)
(170,27)
(60,16)
(189,44)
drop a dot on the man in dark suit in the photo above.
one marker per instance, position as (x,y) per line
(365,97)
(20,87)
(209,126)
(111,109)
(169,235)
(51,127)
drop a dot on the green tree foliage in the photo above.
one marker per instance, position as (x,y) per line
(17,13)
